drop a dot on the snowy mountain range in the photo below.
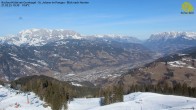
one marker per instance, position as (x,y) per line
(172,35)
(39,37)
(170,42)
(165,42)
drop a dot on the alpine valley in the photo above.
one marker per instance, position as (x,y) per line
(56,68)
(69,56)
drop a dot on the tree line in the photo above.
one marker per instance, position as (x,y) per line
(177,89)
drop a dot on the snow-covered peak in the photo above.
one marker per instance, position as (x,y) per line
(39,37)
(172,35)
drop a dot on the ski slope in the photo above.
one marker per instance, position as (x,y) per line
(133,101)
(14,100)
(137,101)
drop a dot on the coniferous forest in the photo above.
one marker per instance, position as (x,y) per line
(177,89)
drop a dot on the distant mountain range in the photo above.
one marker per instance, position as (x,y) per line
(39,37)
(164,43)
(170,42)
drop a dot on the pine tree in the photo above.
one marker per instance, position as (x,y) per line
(184,89)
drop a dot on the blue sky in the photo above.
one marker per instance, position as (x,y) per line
(138,18)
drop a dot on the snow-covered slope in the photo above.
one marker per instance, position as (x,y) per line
(84,103)
(14,100)
(137,101)
(10,100)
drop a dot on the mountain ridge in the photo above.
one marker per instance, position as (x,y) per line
(39,37)
(171,42)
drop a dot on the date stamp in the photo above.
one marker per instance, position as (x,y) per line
(31,3)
